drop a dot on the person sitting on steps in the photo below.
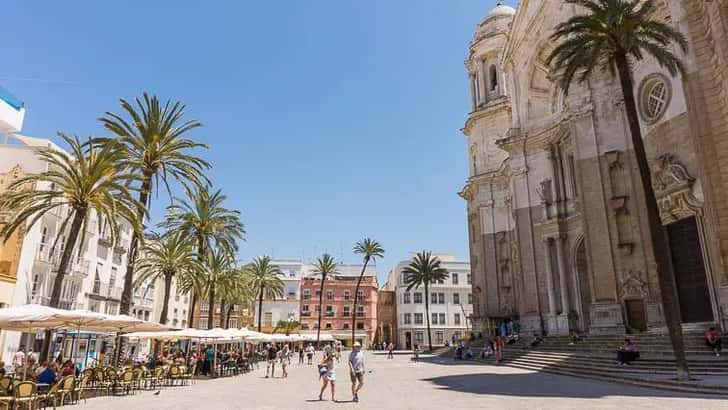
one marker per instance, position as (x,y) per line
(537,339)
(628,353)
(713,341)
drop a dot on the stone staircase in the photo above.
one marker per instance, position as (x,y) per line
(595,357)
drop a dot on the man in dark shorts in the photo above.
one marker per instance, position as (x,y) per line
(271,355)
(356,370)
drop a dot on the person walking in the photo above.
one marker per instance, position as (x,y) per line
(499,345)
(285,360)
(327,373)
(300,355)
(272,356)
(390,351)
(309,353)
(356,371)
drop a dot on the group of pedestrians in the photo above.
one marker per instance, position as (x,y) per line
(327,372)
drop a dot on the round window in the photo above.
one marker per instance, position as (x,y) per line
(654,97)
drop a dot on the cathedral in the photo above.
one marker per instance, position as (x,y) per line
(558,232)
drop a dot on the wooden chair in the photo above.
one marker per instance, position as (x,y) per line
(126,381)
(67,386)
(25,393)
(80,390)
(50,395)
(173,374)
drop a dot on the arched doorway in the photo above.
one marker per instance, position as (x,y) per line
(581,284)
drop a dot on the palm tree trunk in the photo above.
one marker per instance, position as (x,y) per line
(321,310)
(126,293)
(222,314)
(260,308)
(211,313)
(427,315)
(356,301)
(229,312)
(165,302)
(193,304)
(660,246)
(78,218)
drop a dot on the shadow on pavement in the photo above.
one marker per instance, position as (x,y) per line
(548,385)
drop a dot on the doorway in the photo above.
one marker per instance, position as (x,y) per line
(408,340)
(636,318)
(689,269)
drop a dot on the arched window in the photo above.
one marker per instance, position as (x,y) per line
(493,78)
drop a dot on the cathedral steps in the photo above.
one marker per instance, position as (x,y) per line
(595,357)
(612,373)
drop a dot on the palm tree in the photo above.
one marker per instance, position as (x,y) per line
(264,277)
(424,270)
(204,218)
(369,249)
(324,266)
(218,267)
(76,183)
(611,36)
(287,326)
(154,147)
(237,291)
(166,257)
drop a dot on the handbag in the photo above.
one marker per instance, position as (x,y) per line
(322,369)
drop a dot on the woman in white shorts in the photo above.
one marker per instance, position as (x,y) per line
(329,377)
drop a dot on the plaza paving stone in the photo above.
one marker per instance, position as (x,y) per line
(400,384)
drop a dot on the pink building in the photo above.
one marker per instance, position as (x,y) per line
(338,305)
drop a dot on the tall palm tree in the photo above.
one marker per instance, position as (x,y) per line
(424,270)
(204,218)
(264,277)
(218,267)
(77,183)
(155,148)
(237,291)
(611,36)
(370,250)
(166,257)
(325,266)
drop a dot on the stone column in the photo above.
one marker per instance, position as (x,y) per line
(561,261)
(549,275)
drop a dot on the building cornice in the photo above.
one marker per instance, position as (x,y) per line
(494,107)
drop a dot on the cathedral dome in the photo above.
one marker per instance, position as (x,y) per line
(497,20)
(500,10)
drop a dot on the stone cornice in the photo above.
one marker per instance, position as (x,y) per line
(496,106)
(538,138)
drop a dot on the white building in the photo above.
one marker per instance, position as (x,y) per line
(451,305)
(286,307)
(95,278)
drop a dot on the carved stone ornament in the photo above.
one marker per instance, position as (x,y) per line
(633,286)
(668,174)
(544,191)
(674,189)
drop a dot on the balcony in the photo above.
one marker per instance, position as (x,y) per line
(43,254)
(143,302)
(305,313)
(12,112)
(329,314)
(105,291)
(82,268)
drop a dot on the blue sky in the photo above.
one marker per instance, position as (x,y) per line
(328,120)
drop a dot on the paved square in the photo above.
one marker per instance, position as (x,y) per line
(400,384)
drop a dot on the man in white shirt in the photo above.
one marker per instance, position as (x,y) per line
(19,357)
(356,370)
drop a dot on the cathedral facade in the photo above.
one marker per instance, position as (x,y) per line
(556,216)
